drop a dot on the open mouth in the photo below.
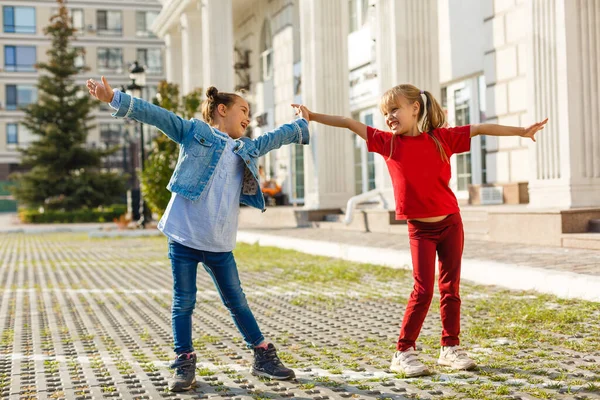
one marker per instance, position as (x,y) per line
(244,125)
(394,125)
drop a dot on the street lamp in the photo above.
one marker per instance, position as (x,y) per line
(137,73)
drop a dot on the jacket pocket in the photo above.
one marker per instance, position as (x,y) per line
(200,146)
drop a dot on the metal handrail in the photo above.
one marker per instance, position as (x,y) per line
(350,206)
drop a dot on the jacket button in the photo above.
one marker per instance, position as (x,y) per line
(247,161)
(201,140)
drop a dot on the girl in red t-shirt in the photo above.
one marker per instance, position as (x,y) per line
(417,152)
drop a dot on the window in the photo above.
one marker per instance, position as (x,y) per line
(298,175)
(18,96)
(110,59)
(80,59)
(12,134)
(19,58)
(111,134)
(357,11)
(266,55)
(77,19)
(364,161)
(482,117)
(19,19)
(462,115)
(151,59)
(368,120)
(109,23)
(149,92)
(143,22)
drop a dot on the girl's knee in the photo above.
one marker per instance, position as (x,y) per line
(422,296)
(184,303)
(449,288)
(237,302)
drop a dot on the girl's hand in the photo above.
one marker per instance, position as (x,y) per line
(302,111)
(533,129)
(101,91)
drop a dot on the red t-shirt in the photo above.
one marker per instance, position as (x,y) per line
(420,176)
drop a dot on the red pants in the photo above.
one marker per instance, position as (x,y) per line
(447,238)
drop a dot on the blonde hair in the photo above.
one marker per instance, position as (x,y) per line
(431,114)
(213,99)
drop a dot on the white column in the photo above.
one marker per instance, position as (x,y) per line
(565,53)
(191,44)
(217,44)
(328,162)
(406,52)
(173,56)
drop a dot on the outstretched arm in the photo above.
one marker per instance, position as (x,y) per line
(333,120)
(294,132)
(170,123)
(500,130)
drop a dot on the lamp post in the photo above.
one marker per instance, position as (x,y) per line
(137,73)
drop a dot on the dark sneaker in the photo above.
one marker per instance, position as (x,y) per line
(267,364)
(184,377)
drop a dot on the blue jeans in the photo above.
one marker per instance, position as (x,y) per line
(223,270)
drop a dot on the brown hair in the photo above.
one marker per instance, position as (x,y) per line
(431,114)
(213,99)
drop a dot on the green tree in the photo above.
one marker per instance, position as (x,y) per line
(161,162)
(63,172)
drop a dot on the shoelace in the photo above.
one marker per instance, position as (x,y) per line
(458,354)
(181,371)
(410,358)
(271,355)
(181,365)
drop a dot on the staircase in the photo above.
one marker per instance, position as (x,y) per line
(589,240)
(477,220)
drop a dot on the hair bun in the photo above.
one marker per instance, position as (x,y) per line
(212,92)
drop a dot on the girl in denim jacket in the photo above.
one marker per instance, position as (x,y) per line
(216,171)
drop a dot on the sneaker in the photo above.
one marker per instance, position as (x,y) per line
(184,377)
(407,362)
(455,357)
(267,364)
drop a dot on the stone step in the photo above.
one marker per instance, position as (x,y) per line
(590,241)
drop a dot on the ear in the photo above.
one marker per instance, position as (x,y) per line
(416,107)
(222,110)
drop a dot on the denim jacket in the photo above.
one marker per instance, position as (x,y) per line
(201,147)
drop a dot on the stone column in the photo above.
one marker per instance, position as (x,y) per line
(191,44)
(217,44)
(173,56)
(564,56)
(406,34)
(328,162)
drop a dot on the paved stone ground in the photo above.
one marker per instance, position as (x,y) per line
(88,318)
(558,258)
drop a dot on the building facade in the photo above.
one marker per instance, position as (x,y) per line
(510,62)
(114,33)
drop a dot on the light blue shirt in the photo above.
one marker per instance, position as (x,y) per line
(210,222)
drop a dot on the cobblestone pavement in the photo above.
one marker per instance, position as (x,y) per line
(88,318)
(558,258)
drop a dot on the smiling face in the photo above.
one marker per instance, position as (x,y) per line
(235,119)
(401,116)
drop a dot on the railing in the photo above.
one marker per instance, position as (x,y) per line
(351,205)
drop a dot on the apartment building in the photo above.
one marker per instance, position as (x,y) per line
(113,33)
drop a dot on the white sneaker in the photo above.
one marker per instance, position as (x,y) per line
(407,362)
(455,357)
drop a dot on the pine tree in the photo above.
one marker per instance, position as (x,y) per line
(63,172)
